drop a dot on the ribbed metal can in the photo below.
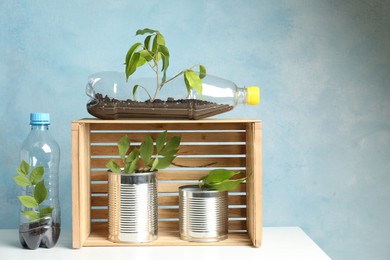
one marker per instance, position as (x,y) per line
(203,214)
(132,207)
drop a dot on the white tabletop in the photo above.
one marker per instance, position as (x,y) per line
(278,243)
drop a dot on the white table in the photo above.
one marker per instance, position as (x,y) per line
(278,243)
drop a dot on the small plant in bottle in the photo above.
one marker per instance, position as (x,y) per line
(37,228)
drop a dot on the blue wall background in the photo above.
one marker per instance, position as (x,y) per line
(324,68)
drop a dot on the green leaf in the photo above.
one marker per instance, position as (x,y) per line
(22,180)
(135,91)
(132,161)
(219,175)
(24,168)
(146,149)
(133,155)
(47,211)
(165,61)
(160,39)
(160,141)
(40,192)
(130,52)
(172,144)
(36,174)
(132,65)
(28,201)
(169,153)
(147,42)
(147,55)
(113,166)
(155,50)
(202,71)
(146,30)
(193,81)
(164,162)
(154,164)
(31,215)
(227,185)
(123,146)
(133,166)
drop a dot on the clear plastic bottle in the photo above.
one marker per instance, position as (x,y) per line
(40,149)
(109,89)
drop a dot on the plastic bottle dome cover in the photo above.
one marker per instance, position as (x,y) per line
(39,119)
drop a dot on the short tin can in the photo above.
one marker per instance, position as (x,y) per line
(203,214)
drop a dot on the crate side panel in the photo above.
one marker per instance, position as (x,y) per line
(76,225)
(84,181)
(254,183)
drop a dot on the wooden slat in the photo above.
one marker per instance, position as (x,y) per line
(185,137)
(99,238)
(161,187)
(180,175)
(174,213)
(170,125)
(168,213)
(185,162)
(173,225)
(104,150)
(168,200)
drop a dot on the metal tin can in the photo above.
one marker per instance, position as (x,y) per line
(203,214)
(132,207)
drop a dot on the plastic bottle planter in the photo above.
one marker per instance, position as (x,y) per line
(41,233)
(203,214)
(132,207)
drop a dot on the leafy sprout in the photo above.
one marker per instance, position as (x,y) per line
(34,181)
(221,180)
(154,155)
(154,52)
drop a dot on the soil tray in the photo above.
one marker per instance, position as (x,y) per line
(107,108)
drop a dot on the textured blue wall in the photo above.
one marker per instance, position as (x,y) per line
(324,68)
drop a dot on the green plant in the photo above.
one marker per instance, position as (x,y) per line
(154,52)
(221,179)
(34,181)
(154,156)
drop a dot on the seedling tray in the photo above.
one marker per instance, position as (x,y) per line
(206,144)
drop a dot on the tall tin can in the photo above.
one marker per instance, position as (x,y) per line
(132,207)
(203,214)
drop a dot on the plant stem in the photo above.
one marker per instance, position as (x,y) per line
(157,79)
(177,75)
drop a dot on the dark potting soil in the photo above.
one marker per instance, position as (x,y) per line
(109,108)
(35,234)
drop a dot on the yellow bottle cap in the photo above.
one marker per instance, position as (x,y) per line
(253,95)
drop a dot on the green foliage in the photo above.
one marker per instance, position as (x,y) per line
(154,155)
(221,179)
(156,55)
(34,182)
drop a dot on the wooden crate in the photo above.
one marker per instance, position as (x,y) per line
(206,144)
